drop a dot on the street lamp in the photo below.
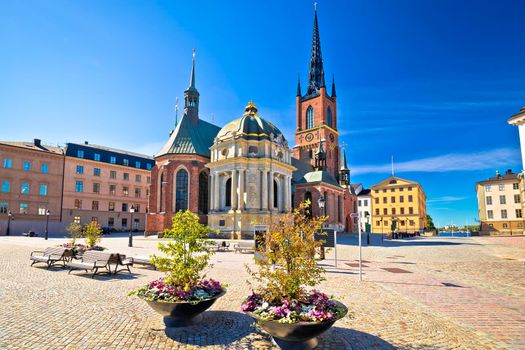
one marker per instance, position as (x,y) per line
(321,202)
(367,216)
(131,210)
(47,224)
(9,217)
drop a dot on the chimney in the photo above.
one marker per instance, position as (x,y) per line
(509,171)
(86,143)
(37,142)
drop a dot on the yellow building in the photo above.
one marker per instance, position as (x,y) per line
(400,202)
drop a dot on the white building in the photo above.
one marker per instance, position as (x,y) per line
(364,208)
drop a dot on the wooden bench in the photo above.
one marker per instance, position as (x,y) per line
(143,260)
(244,247)
(93,260)
(50,256)
(123,261)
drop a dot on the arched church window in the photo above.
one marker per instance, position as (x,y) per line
(275,195)
(161,200)
(203,193)
(308,199)
(309,117)
(329,117)
(181,190)
(228,193)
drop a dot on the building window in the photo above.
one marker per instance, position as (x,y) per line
(385,200)
(8,163)
(148,179)
(411,210)
(3,208)
(137,164)
(79,186)
(76,220)
(43,190)
(124,207)
(488,188)
(137,193)
(181,190)
(377,211)
(138,178)
(24,208)
(6,186)
(111,222)
(111,206)
(392,199)
(276,197)
(385,211)
(124,222)
(365,202)
(377,200)
(393,211)
(515,186)
(80,154)
(517,198)
(490,214)
(94,205)
(402,210)
(78,204)
(409,189)
(96,187)
(125,191)
(505,225)
(412,223)
(502,199)
(410,199)
(228,199)
(384,190)
(27,166)
(519,214)
(401,199)
(112,190)
(309,117)
(45,168)
(329,117)
(402,223)
(148,166)
(96,171)
(520,225)
(385,223)
(113,160)
(401,189)
(80,169)
(503,213)
(137,208)
(113,174)
(489,200)
(125,162)
(42,210)
(378,223)
(359,203)
(96,157)
(24,189)
(501,187)
(125,176)
(392,190)
(203,193)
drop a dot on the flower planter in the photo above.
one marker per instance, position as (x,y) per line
(182,313)
(299,335)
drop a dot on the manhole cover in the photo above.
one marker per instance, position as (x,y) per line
(395,270)
(446,284)
(356,265)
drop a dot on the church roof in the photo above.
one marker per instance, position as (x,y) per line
(250,126)
(190,138)
(319,176)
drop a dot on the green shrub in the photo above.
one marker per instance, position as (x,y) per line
(187,253)
(75,231)
(92,234)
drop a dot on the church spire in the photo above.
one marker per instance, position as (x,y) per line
(320,157)
(344,172)
(333,86)
(316,73)
(191,96)
(298,86)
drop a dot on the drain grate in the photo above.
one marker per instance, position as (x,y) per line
(395,270)
(446,284)
(356,265)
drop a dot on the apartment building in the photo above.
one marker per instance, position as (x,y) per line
(500,204)
(399,205)
(103,184)
(31,185)
(364,208)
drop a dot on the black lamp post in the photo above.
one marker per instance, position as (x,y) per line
(47,224)
(9,217)
(367,216)
(131,210)
(321,202)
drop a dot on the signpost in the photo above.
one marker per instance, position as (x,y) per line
(329,240)
(356,215)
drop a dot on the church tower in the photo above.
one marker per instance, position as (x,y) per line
(191,96)
(316,113)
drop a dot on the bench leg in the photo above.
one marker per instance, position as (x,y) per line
(71,269)
(94,273)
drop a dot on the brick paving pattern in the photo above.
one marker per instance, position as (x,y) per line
(44,309)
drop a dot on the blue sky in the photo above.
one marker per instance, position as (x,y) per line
(431,82)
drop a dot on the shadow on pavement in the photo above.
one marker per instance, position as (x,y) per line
(347,338)
(375,241)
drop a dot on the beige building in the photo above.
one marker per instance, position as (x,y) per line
(250,175)
(31,184)
(398,205)
(102,184)
(499,204)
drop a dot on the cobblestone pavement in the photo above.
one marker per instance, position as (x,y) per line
(482,307)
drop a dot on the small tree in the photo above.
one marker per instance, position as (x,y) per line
(290,263)
(75,231)
(92,234)
(187,254)
(430,223)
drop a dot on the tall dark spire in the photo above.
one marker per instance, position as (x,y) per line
(316,73)
(191,96)
(344,172)
(320,157)
(298,86)
(333,86)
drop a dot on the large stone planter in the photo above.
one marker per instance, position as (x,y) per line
(183,313)
(297,336)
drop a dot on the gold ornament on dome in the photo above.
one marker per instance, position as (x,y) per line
(250,109)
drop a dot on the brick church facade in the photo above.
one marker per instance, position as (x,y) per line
(181,176)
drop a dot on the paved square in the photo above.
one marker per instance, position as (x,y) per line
(462,293)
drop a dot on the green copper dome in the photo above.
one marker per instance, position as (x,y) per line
(251,127)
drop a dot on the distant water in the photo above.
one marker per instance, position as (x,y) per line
(454,234)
